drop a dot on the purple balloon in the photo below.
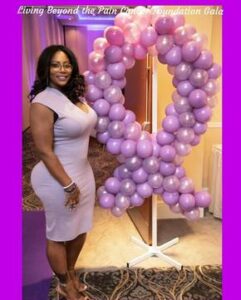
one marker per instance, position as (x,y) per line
(170,110)
(171,184)
(210,87)
(170,123)
(121,83)
(89,77)
(180,172)
(175,82)
(101,107)
(101,191)
(184,88)
(164,25)
(122,201)
(117,212)
(93,93)
(174,56)
(182,149)
(113,94)
(164,138)
(139,175)
(145,135)
(200,128)
(102,124)
(196,140)
(136,200)
(116,70)
(148,37)
(164,43)
(167,169)
(133,163)
(182,105)
(197,98)
(167,153)
(113,54)
(144,148)
(107,200)
(191,51)
(155,180)
(144,190)
(187,119)
(140,51)
(203,114)
(129,117)
(185,135)
(127,187)
(193,214)
(203,199)
(158,191)
(112,185)
(117,112)
(102,80)
(183,71)
(114,36)
(187,202)
(176,208)
(151,165)
(183,34)
(204,61)
(103,137)
(186,185)
(170,198)
(123,172)
(116,129)
(128,148)
(214,72)
(198,78)
(113,145)
(156,149)
(133,131)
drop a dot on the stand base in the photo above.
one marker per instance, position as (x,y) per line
(154,251)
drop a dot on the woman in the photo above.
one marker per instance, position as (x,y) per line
(61,123)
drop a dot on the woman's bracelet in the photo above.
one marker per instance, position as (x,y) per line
(70,188)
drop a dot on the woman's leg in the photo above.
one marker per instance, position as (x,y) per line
(57,257)
(73,249)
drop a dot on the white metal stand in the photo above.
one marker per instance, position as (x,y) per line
(154,250)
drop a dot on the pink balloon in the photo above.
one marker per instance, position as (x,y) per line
(140,52)
(178,20)
(100,44)
(114,35)
(164,25)
(128,49)
(96,62)
(128,61)
(122,19)
(132,33)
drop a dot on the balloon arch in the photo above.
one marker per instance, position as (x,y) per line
(152,163)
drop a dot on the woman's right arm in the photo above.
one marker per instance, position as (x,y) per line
(41,123)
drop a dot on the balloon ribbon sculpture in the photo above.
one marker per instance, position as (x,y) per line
(152,163)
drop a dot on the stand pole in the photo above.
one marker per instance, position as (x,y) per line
(154,250)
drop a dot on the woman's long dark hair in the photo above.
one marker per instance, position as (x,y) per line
(74,89)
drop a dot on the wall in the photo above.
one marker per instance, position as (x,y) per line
(38,33)
(197,164)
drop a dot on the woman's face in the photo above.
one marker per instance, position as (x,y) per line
(60,70)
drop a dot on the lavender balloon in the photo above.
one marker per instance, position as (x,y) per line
(133,163)
(183,71)
(182,149)
(170,123)
(117,212)
(129,117)
(102,80)
(113,94)
(144,148)
(167,153)
(204,61)
(139,175)
(180,172)
(127,187)
(198,78)
(197,98)
(116,70)
(128,148)
(203,199)
(174,56)
(170,198)
(102,124)
(103,137)
(123,172)
(114,145)
(122,201)
(164,138)
(117,112)
(101,107)
(107,200)
(116,129)
(164,44)
(112,185)
(193,214)
(200,128)
(151,165)
(187,202)
(187,119)
(133,131)
(191,51)
(186,185)
(167,169)
(93,93)
(203,114)
(136,200)
(113,54)
(155,180)
(171,184)
(185,135)
(144,190)
(184,88)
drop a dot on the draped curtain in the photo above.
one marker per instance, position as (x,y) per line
(38,33)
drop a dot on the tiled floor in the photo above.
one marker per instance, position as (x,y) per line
(109,243)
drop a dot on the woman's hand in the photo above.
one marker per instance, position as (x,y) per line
(72,198)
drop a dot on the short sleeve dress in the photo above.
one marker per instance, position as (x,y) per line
(71,141)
